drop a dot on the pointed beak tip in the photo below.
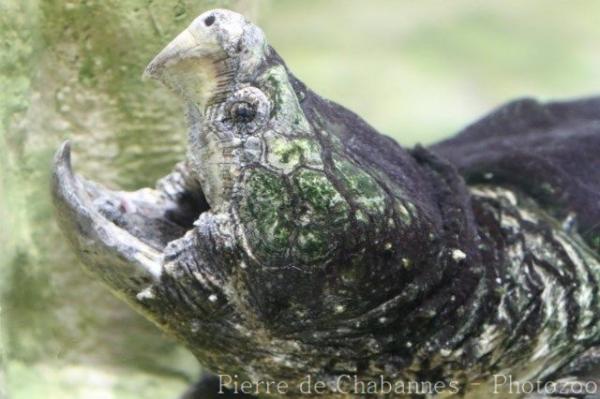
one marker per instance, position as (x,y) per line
(63,176)
(150,72)
(171,54)
(63,155)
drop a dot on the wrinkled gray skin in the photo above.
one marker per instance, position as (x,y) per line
(295,240)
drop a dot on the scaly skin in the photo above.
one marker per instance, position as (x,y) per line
(295,240)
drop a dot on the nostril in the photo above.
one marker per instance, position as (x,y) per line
(209,20)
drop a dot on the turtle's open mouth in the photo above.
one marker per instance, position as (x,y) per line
(122,235)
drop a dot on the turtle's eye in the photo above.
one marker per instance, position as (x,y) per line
(209,20)
(242,112)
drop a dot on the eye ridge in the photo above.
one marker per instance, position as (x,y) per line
(242,112)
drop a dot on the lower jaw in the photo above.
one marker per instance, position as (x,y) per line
(121,235)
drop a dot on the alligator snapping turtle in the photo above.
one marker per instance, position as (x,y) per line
(295,240)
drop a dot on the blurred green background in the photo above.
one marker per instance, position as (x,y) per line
(418,71)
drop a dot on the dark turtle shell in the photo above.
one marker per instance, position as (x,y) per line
(548,151)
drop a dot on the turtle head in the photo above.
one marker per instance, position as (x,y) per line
(248,136)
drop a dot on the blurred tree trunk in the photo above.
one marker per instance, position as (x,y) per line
(72,69)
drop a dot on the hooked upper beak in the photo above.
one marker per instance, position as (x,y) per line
(188,65)
(189,44)
(178,49)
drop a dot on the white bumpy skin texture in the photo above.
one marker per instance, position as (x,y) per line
(296,240)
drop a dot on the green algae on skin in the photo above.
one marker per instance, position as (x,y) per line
(266,207)
(362,187)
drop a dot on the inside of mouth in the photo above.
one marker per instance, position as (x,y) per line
(153,217)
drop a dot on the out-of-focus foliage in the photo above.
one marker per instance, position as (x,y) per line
(71,69)
(421,70)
